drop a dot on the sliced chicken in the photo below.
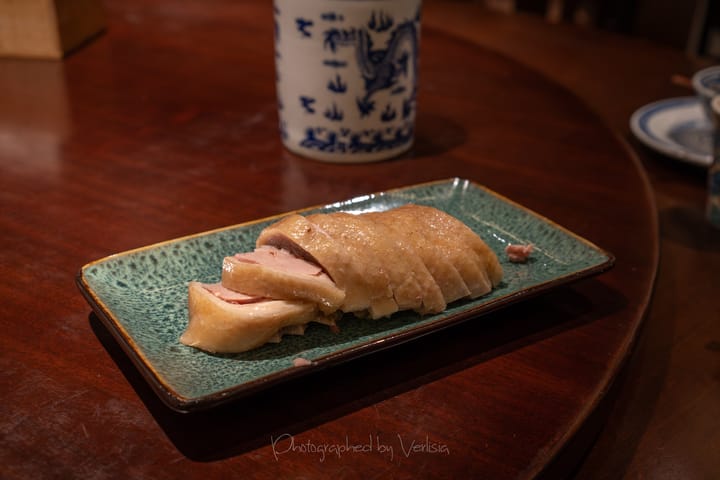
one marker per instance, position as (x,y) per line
(476,263)
(350,248)
(309,241)
(418,255)
(373,269)
(219,326)
(308,268)
(276,273)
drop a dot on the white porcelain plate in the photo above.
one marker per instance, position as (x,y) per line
(676,127)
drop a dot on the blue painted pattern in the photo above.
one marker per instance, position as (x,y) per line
(307,103)
(382,51)
(347,141)
(336,37)
(388,114)
(337,85)
(334,114)
(335,63)
(303,25)
(332,17)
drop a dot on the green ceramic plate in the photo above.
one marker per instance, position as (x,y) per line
(141,294)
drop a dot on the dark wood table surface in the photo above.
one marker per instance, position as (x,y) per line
(166,126)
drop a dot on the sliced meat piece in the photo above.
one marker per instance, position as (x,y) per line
(442,268)
(367,282)
(448,249)
(276,273)
(413,285)
(307,240)
(222,327)
(477,264)
(475,276)
(303,239)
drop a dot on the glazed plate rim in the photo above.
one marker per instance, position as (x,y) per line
(178,402)
(639,126)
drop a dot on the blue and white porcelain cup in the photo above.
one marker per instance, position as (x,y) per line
(706,84)
(347,77)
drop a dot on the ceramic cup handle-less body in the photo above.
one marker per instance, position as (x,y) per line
(347,77)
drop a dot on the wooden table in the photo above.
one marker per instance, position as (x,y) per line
(166,126)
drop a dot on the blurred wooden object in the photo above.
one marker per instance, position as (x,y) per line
(690,25)
(47,28)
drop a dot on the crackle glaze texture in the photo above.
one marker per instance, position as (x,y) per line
(143,293)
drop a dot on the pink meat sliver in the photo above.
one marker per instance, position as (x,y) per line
(280,259)
(230,296)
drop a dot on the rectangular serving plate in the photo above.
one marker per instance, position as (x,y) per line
(141,294)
